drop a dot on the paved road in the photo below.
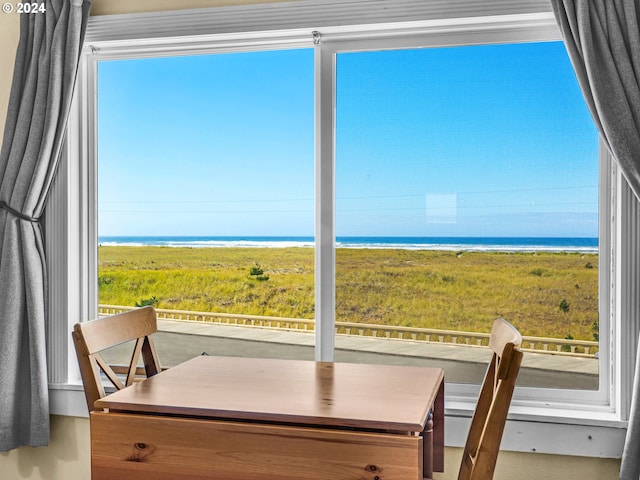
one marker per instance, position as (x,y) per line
(179,341)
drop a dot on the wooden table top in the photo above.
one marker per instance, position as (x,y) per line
(287,391)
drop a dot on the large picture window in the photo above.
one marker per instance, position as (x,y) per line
(466,190)
(372,191)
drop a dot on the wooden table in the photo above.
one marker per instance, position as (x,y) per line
(242,418)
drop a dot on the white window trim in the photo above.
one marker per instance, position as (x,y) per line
(567,425)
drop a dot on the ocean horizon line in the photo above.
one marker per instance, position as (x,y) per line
(497,244)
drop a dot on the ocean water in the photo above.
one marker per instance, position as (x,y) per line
(491,244)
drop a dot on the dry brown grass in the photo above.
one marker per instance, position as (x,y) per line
(434,289)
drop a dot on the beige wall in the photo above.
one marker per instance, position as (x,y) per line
(9,28)
(67,457)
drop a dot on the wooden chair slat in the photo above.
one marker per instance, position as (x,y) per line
(110,374)
(133,364)
(124,370)
(150,358)
(117,329)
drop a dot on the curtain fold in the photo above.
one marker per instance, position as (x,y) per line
(603,41)
(41,90)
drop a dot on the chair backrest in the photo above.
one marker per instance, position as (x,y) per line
(90,338)
(485,434)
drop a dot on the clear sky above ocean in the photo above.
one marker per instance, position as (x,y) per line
(464,141)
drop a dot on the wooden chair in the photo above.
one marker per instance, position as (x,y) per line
(487,425)
(90,338)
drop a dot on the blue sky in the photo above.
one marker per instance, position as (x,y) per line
(465,141)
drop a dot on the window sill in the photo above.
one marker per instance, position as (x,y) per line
(68,400)
(585,433)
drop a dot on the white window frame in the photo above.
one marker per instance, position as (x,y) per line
(542,420)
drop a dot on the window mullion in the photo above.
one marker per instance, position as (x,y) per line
(325,202)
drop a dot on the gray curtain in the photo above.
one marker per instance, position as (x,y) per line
(43,80)
(603,41)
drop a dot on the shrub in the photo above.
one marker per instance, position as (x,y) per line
(566,347)
(564,305)
(147,302)
(256,270)
(105,280)
(257,273)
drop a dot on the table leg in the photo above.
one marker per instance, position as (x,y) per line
(438,430)
(427,448)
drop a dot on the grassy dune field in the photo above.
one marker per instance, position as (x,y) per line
(543,294)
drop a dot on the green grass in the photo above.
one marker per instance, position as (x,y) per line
(543,294)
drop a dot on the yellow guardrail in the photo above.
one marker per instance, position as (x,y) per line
(556,346)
